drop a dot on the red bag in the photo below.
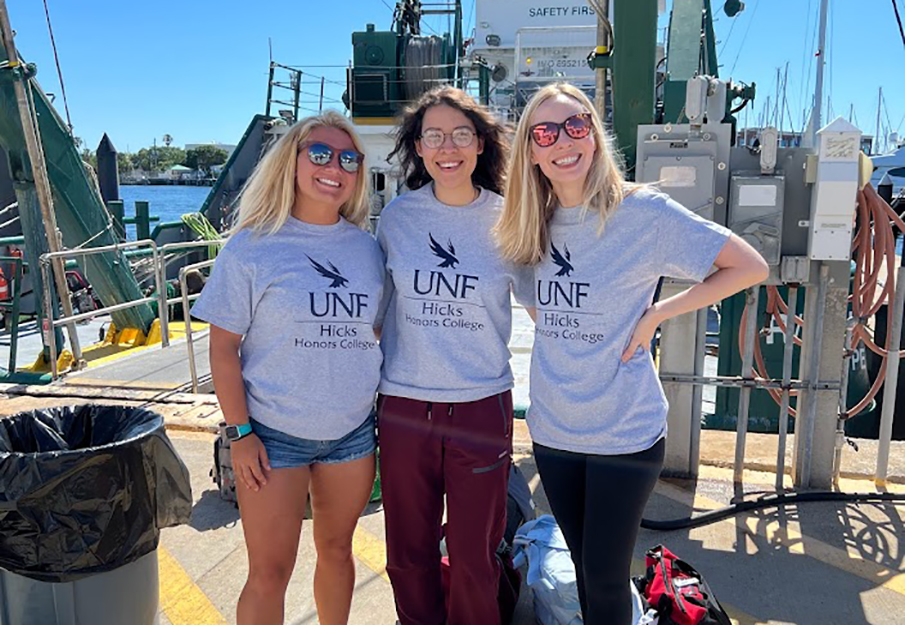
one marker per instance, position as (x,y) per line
(678,592)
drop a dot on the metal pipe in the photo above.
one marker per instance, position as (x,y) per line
(788,349)
(744,401)
(892,379)
(161,278)
(91,314)
(806,427)
(163,314)
(269,89)
(697,392)
(843,399)
(88,251)
(186,315)
(738,382)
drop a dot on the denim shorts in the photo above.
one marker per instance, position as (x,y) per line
(285,451)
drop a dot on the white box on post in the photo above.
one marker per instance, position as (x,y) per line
(835,191)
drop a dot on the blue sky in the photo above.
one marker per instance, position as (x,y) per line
(197,69)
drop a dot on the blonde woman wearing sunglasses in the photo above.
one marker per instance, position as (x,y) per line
(598,247)
(292,303)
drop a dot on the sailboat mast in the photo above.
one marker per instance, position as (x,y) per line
(877,136)
(821,62)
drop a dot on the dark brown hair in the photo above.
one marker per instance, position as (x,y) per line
(490,170)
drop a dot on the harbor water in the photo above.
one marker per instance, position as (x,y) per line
(167,202)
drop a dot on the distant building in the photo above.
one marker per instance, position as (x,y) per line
(177,172)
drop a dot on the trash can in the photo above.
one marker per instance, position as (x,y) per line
(84,493)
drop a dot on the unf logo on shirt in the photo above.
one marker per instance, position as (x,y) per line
(334,303)
(557,293)
(437,282)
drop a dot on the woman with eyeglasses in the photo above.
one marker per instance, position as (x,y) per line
(598,247)
(292,303)
(445,405)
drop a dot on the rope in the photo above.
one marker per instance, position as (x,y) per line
(56,58)
(105,229)
(200,225)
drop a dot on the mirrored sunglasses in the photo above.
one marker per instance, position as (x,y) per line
(321,154)
(546,134)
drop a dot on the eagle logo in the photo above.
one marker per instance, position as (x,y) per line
(331,274)
(448,254)
(565,267)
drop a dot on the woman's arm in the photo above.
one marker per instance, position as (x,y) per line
(248,455)
(739,266)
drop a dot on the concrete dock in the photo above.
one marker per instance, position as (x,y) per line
(820,563)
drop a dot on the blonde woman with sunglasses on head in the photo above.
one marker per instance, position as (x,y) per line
(292,303)
(598,247)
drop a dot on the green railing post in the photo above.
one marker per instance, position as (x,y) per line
(142,220)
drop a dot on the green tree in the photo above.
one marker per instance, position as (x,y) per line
(204,157)
(168,156)
(124,162)
(89,157)
(158,158)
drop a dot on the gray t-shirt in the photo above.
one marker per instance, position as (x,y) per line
(305,300)
(448,307)
(590,291)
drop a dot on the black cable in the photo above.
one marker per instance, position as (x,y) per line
(899,20)
(768,501)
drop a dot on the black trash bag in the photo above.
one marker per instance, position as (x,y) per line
(86,489)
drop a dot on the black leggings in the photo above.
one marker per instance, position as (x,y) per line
(598,502)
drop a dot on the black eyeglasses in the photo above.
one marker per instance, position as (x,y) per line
(462,137)
(321,154)
(577,126)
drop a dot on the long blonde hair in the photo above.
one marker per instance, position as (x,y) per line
(522,231)
(269,195)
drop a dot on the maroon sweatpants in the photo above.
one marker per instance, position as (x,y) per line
(462,450)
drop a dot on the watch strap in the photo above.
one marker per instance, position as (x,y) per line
(241,431)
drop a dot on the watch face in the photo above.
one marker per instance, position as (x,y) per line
(232,432)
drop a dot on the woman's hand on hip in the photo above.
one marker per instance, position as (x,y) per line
(250,462)
(644,332)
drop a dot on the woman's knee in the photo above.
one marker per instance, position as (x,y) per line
(333,549)
(270,579)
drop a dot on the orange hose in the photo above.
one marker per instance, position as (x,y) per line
(873,245)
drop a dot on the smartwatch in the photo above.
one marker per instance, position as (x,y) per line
(237,432)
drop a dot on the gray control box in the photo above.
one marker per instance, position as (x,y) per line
(756,212)
(691,165)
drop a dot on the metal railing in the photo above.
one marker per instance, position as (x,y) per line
(159,261)
(160,277)
(186,314)
(50,323)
